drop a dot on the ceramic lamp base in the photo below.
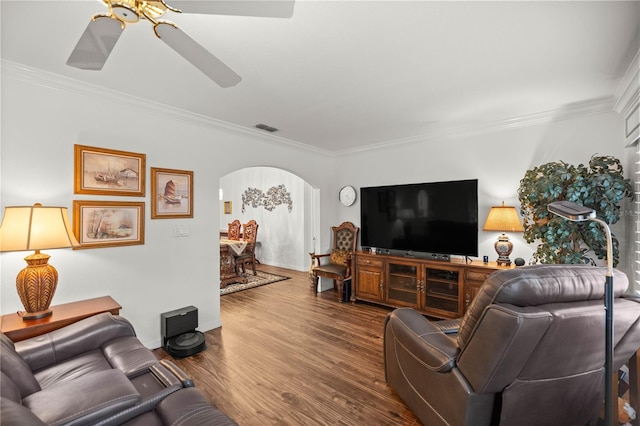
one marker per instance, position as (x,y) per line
(36,285)
(28,316)
(503,247)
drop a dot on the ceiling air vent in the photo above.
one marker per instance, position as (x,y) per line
(266,128)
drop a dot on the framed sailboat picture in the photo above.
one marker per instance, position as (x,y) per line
(101,171)
(171,193)
(99,224)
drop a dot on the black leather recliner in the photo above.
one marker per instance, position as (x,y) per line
(96,372)
(530,350)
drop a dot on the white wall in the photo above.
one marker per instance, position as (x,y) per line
(43,116)
(498,159)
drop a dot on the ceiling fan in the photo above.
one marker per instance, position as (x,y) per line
(103,31)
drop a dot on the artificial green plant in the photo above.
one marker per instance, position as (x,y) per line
(600,185)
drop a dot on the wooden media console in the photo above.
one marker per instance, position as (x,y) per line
(439,289)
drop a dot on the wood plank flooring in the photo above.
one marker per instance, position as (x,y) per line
(286,357)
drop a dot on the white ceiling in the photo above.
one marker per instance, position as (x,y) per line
(346,74)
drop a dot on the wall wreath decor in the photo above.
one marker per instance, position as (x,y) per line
(275,196)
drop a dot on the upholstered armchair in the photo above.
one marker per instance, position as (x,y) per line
(530,350)
(337,264)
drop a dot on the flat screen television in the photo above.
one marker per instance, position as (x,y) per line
(422,218)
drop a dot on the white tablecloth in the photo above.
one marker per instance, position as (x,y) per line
(237,246)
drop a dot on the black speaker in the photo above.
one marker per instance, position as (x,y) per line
(179,336)
(346,291)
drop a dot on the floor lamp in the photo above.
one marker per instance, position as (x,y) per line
(578,213)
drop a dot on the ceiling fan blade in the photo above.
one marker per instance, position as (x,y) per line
(193,52)
(96,43)
(264,8)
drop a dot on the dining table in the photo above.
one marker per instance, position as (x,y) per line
(229,249)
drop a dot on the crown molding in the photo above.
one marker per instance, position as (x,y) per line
(19,72)
(26,74)
(628,90)
(575,110)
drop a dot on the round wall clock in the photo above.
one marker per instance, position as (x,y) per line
(347,195)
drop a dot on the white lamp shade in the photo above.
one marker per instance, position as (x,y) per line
(36,228)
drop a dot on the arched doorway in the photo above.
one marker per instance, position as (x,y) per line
(284,205)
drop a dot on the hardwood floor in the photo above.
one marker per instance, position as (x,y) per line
(286,357)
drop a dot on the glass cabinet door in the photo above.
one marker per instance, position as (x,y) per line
(442,292)
(403,284)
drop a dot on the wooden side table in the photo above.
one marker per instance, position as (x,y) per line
(17,329)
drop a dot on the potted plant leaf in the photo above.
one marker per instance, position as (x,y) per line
(600,185)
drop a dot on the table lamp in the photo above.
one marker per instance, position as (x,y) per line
(578,213)
(503,219)
(36,228)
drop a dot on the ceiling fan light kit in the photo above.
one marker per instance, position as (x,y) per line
(125,13)
(101,35)
(130,11)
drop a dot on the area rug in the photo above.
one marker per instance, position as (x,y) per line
(262,278)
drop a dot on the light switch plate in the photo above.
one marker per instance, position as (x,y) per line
(181,231)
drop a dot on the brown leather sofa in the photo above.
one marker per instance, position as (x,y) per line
(529,350)
(96,372)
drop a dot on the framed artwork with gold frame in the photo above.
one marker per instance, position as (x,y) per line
(171,193)
(99,224)
(101,171)
(227,207)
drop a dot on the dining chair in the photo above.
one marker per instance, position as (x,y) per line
(248,256)
(233,230)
